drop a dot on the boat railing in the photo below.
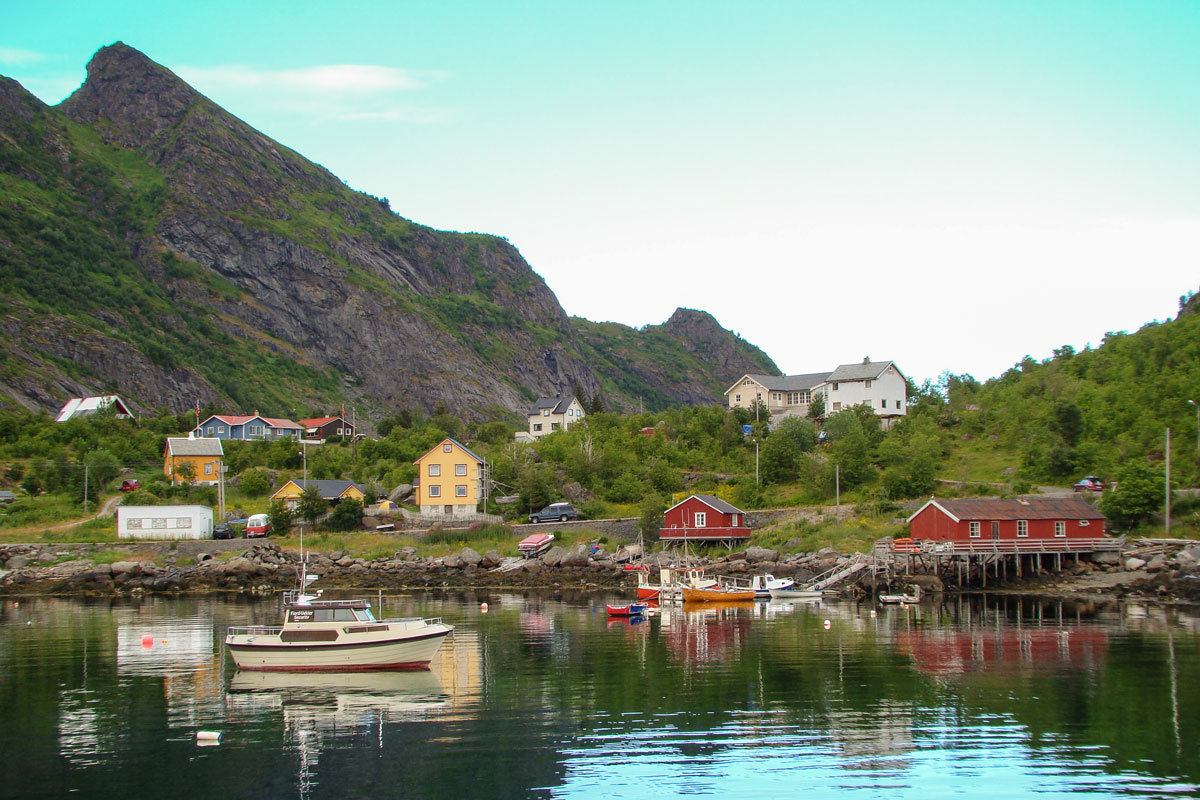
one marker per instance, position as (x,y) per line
(426,620)
(255,630)
(731,582)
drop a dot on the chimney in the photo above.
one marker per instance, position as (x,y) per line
(866,359)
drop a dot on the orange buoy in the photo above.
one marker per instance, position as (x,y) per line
(148,641)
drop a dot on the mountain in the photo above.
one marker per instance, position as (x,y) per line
(154,245)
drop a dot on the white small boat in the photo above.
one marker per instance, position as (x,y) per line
(795,594)
(900,599)
(763,584)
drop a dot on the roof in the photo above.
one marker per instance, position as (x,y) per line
(327,489)
(863,371)
(557,405)
(84,406)
(454,442)
(240,419)
(715,503)
(991,508)
(783,383)
(317,422)
(182,446)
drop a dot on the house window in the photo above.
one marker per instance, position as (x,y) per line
(837,406)
(974,531)
(460,490)
(737,398)
(435,470)
(701,519)
(435,491)
(211,430)
(777,397)
(1060,528)
(545,412)
(447,448)
(734,518)
(554,426)
(835,387)
(883,403)
(747,382)
(1083,523)
(1022,528)
(793,398)
(868,384)
(758,396)
(537,426)
(208,468)
(460,469)
(221,429)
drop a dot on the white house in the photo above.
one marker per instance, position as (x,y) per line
(550,414)
(878,384)
(164,522)
(87,406)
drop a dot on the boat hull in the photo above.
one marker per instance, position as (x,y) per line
(691,595)
(412,649)
(631,610)
(795,594)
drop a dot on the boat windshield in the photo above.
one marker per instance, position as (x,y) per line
(364,615)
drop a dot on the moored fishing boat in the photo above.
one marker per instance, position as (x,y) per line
(715,594)
(795,594)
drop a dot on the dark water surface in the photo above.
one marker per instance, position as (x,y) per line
(543,696)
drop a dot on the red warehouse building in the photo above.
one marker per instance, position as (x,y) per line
(984,524)
(703,518)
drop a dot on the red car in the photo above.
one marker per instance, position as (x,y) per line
(1090,484)
(129,485)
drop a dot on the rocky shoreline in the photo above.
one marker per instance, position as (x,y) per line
(1169,573)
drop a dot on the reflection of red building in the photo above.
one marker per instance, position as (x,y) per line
(947,652)
(713,634)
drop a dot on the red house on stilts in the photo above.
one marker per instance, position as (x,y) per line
(1026,525)
(704,518)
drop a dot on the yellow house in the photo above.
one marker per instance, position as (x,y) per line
(204,456)
(449,480)
(331,491)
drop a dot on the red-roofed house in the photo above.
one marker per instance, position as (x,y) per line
(318,429)
(230,426)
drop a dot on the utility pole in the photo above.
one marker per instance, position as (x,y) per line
(756,462)
(1167,484)
(85,487)
(837,485)
(1197,405)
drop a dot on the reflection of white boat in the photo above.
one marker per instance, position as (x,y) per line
(389,690)
(334,635)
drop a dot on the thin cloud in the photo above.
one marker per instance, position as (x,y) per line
(358,79)
(12,55)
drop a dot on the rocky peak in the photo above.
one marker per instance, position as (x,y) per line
(139,97)
(700,333)
(17,104)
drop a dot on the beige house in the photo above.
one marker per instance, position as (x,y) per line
(878,384)
(550,414)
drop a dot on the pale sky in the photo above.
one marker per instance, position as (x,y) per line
(947,185)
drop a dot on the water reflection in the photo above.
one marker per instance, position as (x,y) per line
(545,695)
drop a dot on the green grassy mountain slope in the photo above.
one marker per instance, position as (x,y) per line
(154,245)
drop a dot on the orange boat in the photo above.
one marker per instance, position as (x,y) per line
(716,595)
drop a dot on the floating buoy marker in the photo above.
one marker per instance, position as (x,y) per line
(483,607)
(148,641)
(828,624)
(206,738)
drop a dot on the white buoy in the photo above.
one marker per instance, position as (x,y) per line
(483,607)
(828,624)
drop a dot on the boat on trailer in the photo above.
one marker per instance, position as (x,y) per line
(535,544)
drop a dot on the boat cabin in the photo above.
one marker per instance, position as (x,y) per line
(329,611)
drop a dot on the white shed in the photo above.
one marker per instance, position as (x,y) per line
(164,522)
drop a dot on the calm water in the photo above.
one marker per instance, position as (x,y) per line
(543,696)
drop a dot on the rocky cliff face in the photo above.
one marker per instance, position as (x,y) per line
(248,264)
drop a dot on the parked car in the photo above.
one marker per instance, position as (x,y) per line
(222,530)
(130,485)
(1090,484)
(257,526)
(559,511)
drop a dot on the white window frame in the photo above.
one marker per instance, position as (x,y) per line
(208,468)
(737,398)
(701,519)
(1022,529)
(1060,528)
(460,470)
(1083,523)
(974,530)
(460,490)
(447,448)
(435,470)
(435,490)
(537,426)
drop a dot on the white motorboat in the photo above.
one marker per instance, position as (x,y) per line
(901,599)
(335,635)
(763,584)
(795,594)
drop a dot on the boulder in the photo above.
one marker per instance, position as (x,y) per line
(1110,557)
(47,557)
(554,556)
(756,555)
(344,561)
(239,566)
(533,566)
(1133,563)
(1157,564)
(577,494)
(491,559)
(17,562)
(401,493)
(129,568)
(470,557)
(578,557)
(827,553)
(452,561)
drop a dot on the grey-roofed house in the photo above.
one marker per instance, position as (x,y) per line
(878,384)
(782,395)
(204,455)
(332,491)
(550,414)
